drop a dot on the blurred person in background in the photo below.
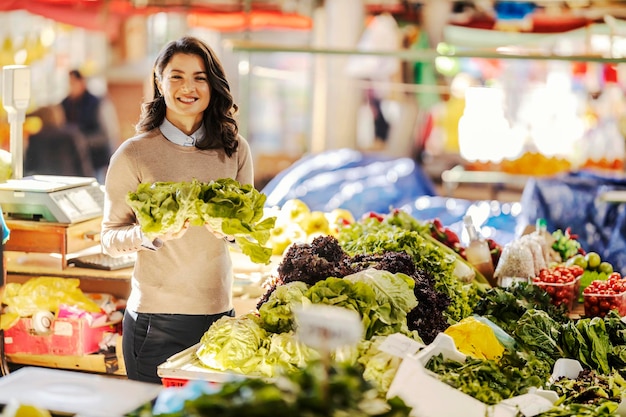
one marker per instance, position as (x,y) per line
(95,117)
(382,33)
(57,148)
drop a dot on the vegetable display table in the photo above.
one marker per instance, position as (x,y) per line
(22,266)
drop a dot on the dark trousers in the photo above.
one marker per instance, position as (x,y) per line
(150,339)
(381,125)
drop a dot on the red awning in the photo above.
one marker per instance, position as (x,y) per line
(541,23)
(90,15)
(256,20)
(107,15)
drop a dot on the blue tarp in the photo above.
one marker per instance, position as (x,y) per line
(352,180)
(496,220)
(362,183)
(6,233)
(574,201)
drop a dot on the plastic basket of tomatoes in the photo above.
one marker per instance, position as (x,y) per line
(600,297)
(562,283)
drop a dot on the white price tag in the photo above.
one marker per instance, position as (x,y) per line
(63,328)
(400,345)
(530,405)
(328,327)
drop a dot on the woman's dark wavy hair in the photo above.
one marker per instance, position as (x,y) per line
(219,122)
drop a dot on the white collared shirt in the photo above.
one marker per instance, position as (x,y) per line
(178,137)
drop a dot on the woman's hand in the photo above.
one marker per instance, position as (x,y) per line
(218,233)
(175,235)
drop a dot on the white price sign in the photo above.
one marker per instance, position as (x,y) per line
(328,327)
(400,345)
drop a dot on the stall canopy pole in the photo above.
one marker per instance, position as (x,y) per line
(15,98)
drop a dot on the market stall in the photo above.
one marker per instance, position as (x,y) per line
(25,348)
(515,342)
(407,275)
(368,233)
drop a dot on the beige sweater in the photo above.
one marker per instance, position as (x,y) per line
(190,275)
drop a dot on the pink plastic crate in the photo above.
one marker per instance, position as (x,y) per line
(68,337)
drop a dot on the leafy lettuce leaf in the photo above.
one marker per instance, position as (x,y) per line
(379,315)
(158,207)
(234,209)
(394,292)
(356,296)
(240,344)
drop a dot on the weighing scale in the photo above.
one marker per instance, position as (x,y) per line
(57,199)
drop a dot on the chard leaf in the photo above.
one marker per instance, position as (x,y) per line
(600,344)
(538,332)
(574,343)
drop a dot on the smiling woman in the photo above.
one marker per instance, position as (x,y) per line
(185,88)
(182,279)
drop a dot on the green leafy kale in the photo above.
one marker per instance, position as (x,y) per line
(590,394)
(371,236)
(590,343)
(537,332)
(487,380)
(505,306)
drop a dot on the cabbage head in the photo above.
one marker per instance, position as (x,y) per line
(236,344)
(287,354)
(277,312)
